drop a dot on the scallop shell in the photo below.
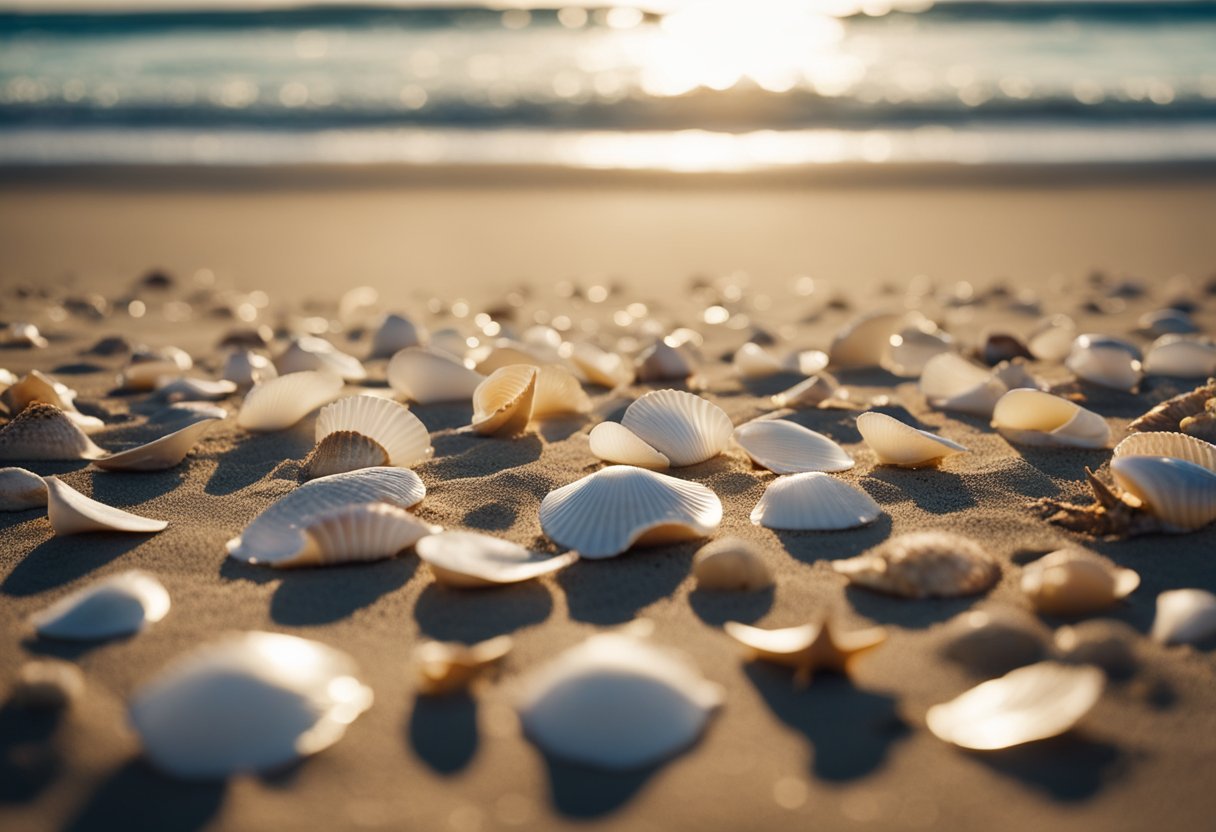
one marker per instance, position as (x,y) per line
(613,442)
(1070,583)
(120,605)
(730,563)
(788,448)
(1110,645)
(1181,494)
(558,393)
(616,702)
(864,341)
(277,534)
(342,451)
(503,402)
(392,426)
(1031,703)
(47,684)
(911,349)
(662,362)
(445,667)
(1052,339)
(39,387)
(1032,417)
(159,454)
(1185,616)
(813,502)
(812,392)
(356,533)
(309,353)
(754,361)
(70,512)
(951,382)
(684,427)
(615,508)
(995,641)
(1168,415)
(249,702)
(1109,362)
(895,443)
(194,389)
(281,402)
(607,369)
(470,560)
(44,432)
(923,565)
(1167,443)
(21,489)
(244,369)
(395,333)
(1182,356)
(430,376)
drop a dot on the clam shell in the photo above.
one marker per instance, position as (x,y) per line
(120,605)
(21,489)
(809,393)
(470,560)
(503,402)
(995,641)
(923,565)
(244,368)
(1070,583)
(754,361)
(429,376)
(911,349)
(38,387)
(395,333)
(613,442)
(194,389)
(44,432)
(1185,616)
(1052,339)
(47,684)
(1031,703)
(788,448)
(357,533)
(661,362)
(249,702)
(607,369)
(558,393)
(1110,645)
(951,382)
(1168,443)
(616,702)
(392,426)
(1109,362)
(1184,356)
(813,502)
(445,667)
(277,534)
(281,402)
(70,512)
(158,454)
(309,353)
(730,563)
(342,451)
(864,341)
(684,427)
(895,443)
(1032,417)
(615,508)
(1181,494)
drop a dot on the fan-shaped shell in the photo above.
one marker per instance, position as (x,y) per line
(1185,356)
(788,448)
(663,362)
(730,563)
(1032,417)
(342,451)
(813,502)
(309,353)
(503,402)
(429,376)
(21,489)
(44,432)
(277,533)
(613,442)
(1169,414)
(1181,494)
(281,402)
(70,512)
(607,369)
(35,386)
(684,427)
(1052,339)
(1185,616)
(444,667)
(159,454)
(1109,362)
(557,393)
(357,533)
(812,392)
(616,702)
(471,560)
(754,361)
(120,605)
(1168,443)
(607,512)
(1069,583)
(864,341)
(244,368)
(895,443)
(951,382)
(395,333)
(923,565)
(249,702)
(392,426)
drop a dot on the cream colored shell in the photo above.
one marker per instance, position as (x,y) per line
(70,512)
(788,448)
(813,502)
(1032,417)
(471,560)
(895,443)
(120,605)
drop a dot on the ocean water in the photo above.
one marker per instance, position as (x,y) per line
(699,85)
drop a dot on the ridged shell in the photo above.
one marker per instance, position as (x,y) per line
(1069,583)
(342,451)
(895,443)
(813,502)
(1109,362)
(1168,443)
(558,393)
(503,402)
(38,387)
(470,560)
(607,512)
(809,393)
(249,702)
(70,512)
(864,341)
(661,362)
(1185,616)
(730,563)
(615,702)
(1183,356)
(395,333)
(911,348)
(1032,417)
(277,533)
(951,382)
(429,376)
(994,641)
(613,442)
(1181,494)
(120,605)
(44,432)
(788,448)
(1031,703)
(923,565)
(754,361)
(357,533)
(393,427)
(1052,339)
(445,667)
(185,389)
(281,402)
(245,369)
(684,427)
(1168,415)
(159,454)
(607,369)
(21,489)
(309,353)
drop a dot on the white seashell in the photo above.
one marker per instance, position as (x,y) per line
(812,392)
(1185,616)
(616,702)
(395,333)
(47,684)
(444,667)
(730,563)
(662,362)
(23,335)
(864,341)
(245,369)
(503,402)
(249,702)
(357,305)
(684,427)
(120,605)
(912,347)
(309,353)
(558,393)
(429,376)
(21,489)
(194,389)
(504,353)
(544,342)
(754,361)
(1168,443)
(1109,362)
(613,442)
(895,443)
(1181,494)
(451,342)
(1052,339)
(813,502)
(923,565)
(788,448)
(470,560)
(281,402)
(1184,356)
(356,533)
(146,368)
(1014,374)
(1032,417)
(7,379)
(277,534)
(70,512)
(36,386)
(1069,583)
(1031,703)
(392,426)
(615,508)
(951,382)
(158,454)
(607,369)
(44,432)
(806,362)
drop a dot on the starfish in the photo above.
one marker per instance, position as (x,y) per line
(807,648)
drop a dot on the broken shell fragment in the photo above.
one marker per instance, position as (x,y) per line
(951,382)
(993,642)
(613,442)
(1066,582)
(1032,417)
(448,667)
(807,648)
(923,565)
(503,402)
(1180,494)
(158,454)
(356,533)
(36,387)
(120,605)
(279,403)
(309,353)
(730,563)
(470,560)
(390,425)
(788,448)
(1185,616)
(558,393)
(395,333)
(607,369)
(895,443)
(1183,356)
(21,489)
(431,376)
(816,391)
(813,502)
(47,684)
(245,369)
(44,432)
(1109,362)
(1171,444)
(70,512)
(684,427)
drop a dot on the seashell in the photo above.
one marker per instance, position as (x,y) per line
(815,391)
(684,427)
(807,648)
(1184,616)
(813,502)
(342,451)
(158,454)
(618,507)
(607,369)
(1202,426)
(616,702)
(246,369)
(1168,415)
(1032,417)
(357,305)
(194,389)
(1014,374)
(47,684)
(23,335)
(613,442)
(914,346)
(503,402)
(1110,645)
(447,667)
(309,353)
(1109,362)
(1168,443)
(281,402)
(662,362)
(7,379)
(788,448)
(390,425)
(249,702)
(951,382)
(1031,703)
(754,361)
(544,342)
(558,393)
(730,563)
(395,333)
(806,362)
(1001,346)
(451,342)
(356,533)
(895,443)
(21,489)
(993,642)
(1052,339)
(429,376)
(1180,494)
(470,560)
(923,565)
(39,387)
(277,534)
(44,432)
(1182,356)
(1069,583)
(1167,322)
(70,512)
(120,605)
(864,341)
(504,353)
(145,368)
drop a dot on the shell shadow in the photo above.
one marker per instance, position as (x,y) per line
(810,547)
(29,760)
(462,455)
(443,731)
(1069,463)
(769,385)
(78,368)
(124,489)
(253,458)
(68,650)
(587,793)
(612,591)
(321,596)
(867,377)
(496,515)
(122,802)
(62,560)
(914,613)
(559,428)
(472,615)
(716,607)
(931,489)
(1069,768)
